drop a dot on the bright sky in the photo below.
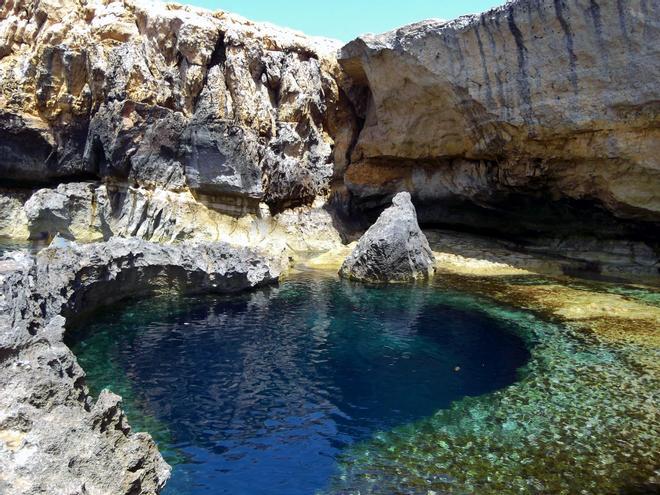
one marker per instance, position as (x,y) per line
(346,19)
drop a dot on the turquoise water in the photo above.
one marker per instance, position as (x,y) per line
(7,245)
(270,392)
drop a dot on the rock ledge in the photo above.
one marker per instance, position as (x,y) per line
(53,437)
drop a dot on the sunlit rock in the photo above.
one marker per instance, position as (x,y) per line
(531,117)
(394,249)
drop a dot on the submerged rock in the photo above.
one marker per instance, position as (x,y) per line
(53,437)
(394,249)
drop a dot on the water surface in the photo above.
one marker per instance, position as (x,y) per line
(10,244)
(261,393)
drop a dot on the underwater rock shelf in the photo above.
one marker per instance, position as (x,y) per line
(284,379)
(583,419)
(49,423)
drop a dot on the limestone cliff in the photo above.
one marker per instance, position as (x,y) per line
(204,108)
(536,118)
(536,121)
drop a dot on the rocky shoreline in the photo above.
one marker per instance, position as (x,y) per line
(45,402)
(54,437)
(187,150)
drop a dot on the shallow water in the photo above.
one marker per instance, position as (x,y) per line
(7,245)
(583,419)
(645,294)
(263,393)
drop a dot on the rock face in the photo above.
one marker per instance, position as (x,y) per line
(394,249)
(535,118)
(536,121)
(72,210)
(90,211)
(13,221)
(53,437)
(167,97)
(132,118)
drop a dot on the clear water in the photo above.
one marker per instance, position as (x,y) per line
(261,393)
(7,245)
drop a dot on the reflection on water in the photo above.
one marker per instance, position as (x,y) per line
(260,393)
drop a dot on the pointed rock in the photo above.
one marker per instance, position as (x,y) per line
(394,249)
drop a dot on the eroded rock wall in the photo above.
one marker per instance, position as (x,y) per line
(536,121)
(167,97)
(54,437)
(536,118)
(89,212)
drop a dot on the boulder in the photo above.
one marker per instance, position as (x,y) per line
(74,210)
(394,249)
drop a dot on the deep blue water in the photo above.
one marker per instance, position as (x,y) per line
(259,393)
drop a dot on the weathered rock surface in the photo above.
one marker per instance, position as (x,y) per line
(53,437)
(90,211)
(13,221)
(537,117)
(74,210)
(394,249)
(167,97)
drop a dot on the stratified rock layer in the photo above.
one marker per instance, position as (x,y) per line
(536,121)
(53,437)
(535,118)
(394,249)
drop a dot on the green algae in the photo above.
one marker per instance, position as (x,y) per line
(96,355)
(583,419)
